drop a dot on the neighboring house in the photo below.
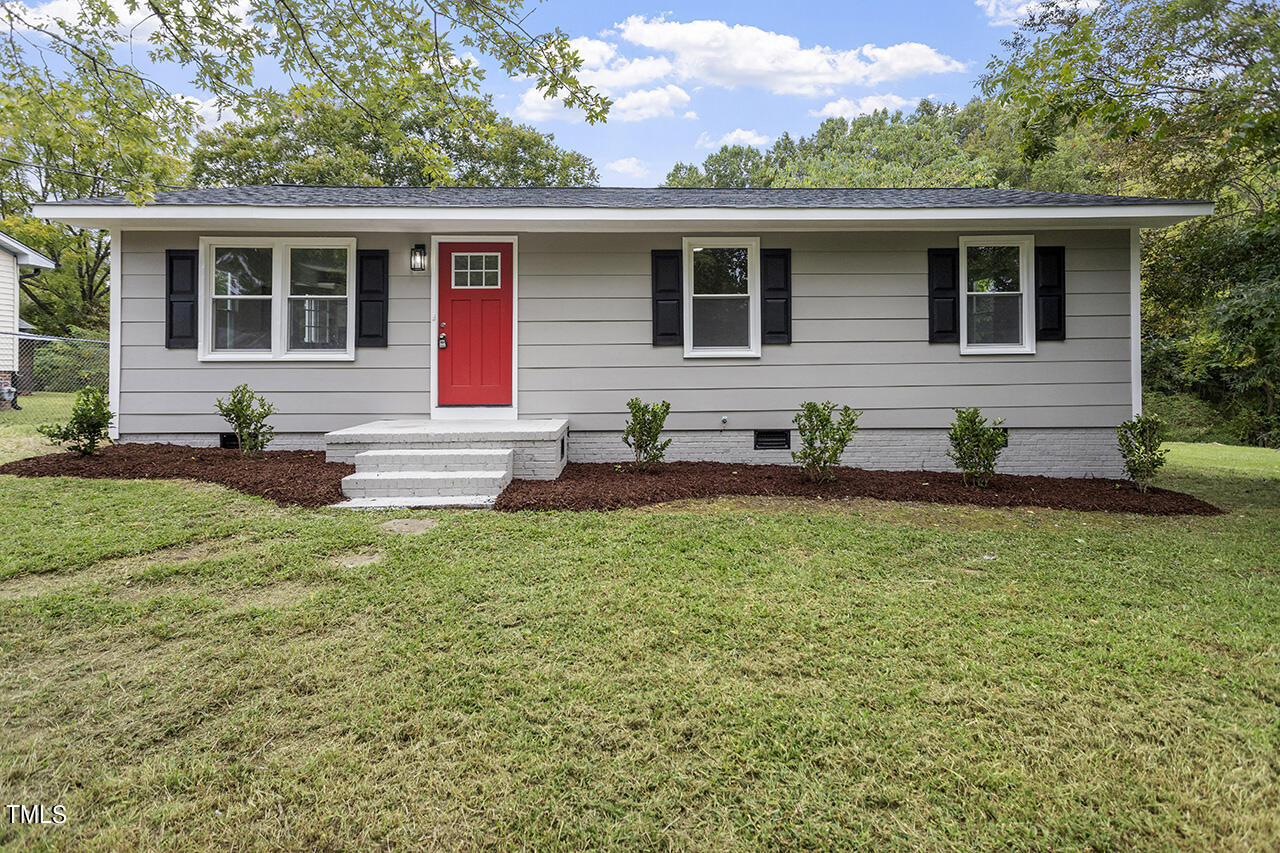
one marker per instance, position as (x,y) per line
(344,305)
(13,257)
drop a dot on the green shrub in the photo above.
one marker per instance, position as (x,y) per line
(1190,418)
(87,429)
(822,438)
(1139,440)
(643,432)
(247,413)
(975,446)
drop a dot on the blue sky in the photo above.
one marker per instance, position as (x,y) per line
(685,80)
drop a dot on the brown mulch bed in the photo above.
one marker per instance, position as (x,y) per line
(288,477)
(601,486)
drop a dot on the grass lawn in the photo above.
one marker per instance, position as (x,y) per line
(18,436)
(186,668)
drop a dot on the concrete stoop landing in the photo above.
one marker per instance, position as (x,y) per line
(425,463)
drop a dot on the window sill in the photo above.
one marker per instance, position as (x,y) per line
(722,353)
(266,356)
(997,350)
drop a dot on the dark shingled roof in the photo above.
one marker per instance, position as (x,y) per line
(625,197)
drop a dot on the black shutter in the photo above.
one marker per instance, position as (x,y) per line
(775,296)
(668,304)
(1051,293)
(371,297)
(944,296)
(181,298)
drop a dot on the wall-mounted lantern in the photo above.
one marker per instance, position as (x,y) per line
(418,258)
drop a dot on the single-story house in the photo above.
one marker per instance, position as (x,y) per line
(14,255)
(534,314)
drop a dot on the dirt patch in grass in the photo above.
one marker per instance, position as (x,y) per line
(122,572)
(601,486)
(288,477)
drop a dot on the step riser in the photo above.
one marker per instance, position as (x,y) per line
(434,460)
(541,460)
(424,484)
(381,492)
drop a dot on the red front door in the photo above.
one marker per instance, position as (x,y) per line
(474,324)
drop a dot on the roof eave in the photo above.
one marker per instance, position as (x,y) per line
(26,256)
(596,219)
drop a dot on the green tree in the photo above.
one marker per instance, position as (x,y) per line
(1189,85)
(920,149)
(327,144)
(33,130)
(377,56)
(732,166)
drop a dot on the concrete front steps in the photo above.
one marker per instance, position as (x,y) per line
(423,463)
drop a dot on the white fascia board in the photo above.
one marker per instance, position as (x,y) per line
(27,256)
(601,219)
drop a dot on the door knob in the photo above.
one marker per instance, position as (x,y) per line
(444,342)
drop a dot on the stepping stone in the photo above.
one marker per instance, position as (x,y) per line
(409,526)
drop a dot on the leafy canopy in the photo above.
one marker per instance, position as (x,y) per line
(326,143)
(882,149)
(1191,82)
(61,128)
(376,56)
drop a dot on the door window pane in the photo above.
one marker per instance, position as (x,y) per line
(243,324)
(721,322)
(318,272)
(479,269)
(995,318)
(720,271)
(242,271)
(317,323)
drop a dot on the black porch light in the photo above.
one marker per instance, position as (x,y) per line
(418,258)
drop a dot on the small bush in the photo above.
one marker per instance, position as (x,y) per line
(644,431)
(1139,441)
(247,413)
(975,445)
(87,429)
(822,438)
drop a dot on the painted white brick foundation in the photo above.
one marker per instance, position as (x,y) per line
(1075,452)
(1060,452)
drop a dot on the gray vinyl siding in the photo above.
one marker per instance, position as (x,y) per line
(859,337)
(172,391)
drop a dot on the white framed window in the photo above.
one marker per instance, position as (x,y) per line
(477,270)
(278,298)
(997,312)
(721,297)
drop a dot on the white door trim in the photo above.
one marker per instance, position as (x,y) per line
(487,413)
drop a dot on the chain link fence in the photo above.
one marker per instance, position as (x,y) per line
(40,375)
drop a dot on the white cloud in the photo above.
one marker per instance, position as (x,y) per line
(1009,13)
(846,108)
(715,52)
(534,107)
(690,115)
(141,21)
(594,52)
(610,74)
(628,166)
(908,59)
(649,103)
(734,137)
(209,111)
(626,73)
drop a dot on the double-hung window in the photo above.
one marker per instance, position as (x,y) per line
(277,298)
(722,297)
(997,314)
